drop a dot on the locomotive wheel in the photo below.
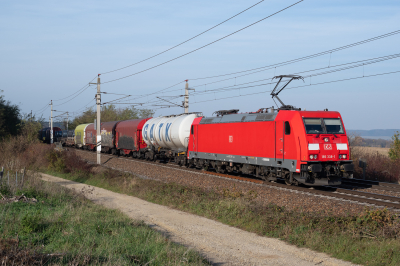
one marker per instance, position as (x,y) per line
(287,180)
(290,183)
(219,169)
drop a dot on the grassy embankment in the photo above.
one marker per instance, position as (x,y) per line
(370,238)
(75,231)
(64,228)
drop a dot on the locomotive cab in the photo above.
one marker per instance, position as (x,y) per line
(327,157)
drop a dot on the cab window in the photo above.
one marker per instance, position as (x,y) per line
(333,126)
(287,128)
(313,125)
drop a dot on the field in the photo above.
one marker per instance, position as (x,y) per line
(371,150)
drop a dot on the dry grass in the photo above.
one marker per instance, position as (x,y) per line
(371,150)
(379,166)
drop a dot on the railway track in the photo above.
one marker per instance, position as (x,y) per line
(369,184)
(375,199)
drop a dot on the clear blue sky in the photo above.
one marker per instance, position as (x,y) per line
(50,50)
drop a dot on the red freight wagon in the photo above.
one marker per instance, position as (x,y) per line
(298,146)
(128,136)
(90,138)
(107,130)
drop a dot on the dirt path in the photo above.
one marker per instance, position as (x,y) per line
(221,244)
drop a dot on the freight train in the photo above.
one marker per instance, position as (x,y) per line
(299,147)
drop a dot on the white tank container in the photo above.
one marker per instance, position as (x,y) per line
(149,130)
(168,132)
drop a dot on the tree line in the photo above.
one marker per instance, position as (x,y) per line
(13,122)
(110,113)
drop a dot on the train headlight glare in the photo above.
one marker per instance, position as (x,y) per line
(311,157)
(326,139)
(344,156)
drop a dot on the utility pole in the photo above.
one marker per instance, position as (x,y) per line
(51,123)
(31,115)
(98,103)
(186,102)
(67,121)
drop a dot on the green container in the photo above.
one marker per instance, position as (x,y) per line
(80,135)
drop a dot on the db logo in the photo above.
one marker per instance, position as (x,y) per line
(230,139)
(328,146)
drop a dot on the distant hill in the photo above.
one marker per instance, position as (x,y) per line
(373,132)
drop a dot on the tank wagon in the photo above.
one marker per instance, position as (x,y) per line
(308,147)
(167,137)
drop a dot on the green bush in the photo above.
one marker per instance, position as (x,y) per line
(56,161)
(31,222)
(394,151)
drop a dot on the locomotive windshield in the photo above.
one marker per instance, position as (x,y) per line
(323,126)
(333,126)
(313,125)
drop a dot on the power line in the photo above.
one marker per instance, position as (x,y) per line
(43,108)
(206,44)
(333,81)
(87,86)
(184,41)
(353,64)
(309,56)
(272,66)
(75,92)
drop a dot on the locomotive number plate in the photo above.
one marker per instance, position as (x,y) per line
(328,156)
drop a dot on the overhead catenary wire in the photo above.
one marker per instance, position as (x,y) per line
(273,66)
(306,57)
(169,49)
(43,108)
(74,92)
(87,86)
(226,36)
(347,66)
(355,64)
(308,85)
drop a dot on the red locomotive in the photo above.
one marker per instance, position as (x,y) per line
(306,147)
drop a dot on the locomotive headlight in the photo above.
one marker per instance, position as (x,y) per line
(315,157)
(326,139)
(340,156)
(311,157)
(344,156)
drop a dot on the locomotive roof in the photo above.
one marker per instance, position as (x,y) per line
(246,117)
(257,117)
